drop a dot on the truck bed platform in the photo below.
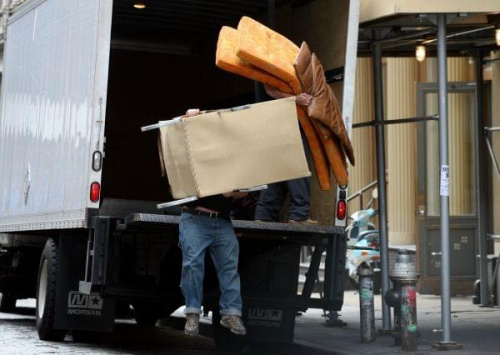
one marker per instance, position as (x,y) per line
(244,229)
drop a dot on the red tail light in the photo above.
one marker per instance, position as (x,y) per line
(341,209)
(95,191)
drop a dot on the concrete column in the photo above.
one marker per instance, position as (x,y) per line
(363,139)
(402,150)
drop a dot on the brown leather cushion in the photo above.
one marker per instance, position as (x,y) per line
(324,106)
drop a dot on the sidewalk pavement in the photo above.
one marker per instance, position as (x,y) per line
(476,328)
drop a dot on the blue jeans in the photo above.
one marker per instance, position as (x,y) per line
(272,199)
(196,235)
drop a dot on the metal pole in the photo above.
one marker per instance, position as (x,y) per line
(480,186)
(445,173)
(366,306)
(492,156)
(380,143)
(398,121)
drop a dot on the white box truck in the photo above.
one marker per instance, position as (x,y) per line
(79,182)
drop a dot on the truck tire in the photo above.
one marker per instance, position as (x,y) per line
(46,293)
(8,303)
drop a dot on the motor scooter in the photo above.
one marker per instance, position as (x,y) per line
(363,247)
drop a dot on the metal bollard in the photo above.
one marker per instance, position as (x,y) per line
(405,277)
(366,305)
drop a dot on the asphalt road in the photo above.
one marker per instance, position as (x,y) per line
(18,336)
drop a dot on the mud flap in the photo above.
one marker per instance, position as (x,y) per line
(271,273)
(269,324)
(75,310)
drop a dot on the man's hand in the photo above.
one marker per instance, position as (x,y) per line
(303,99)
(192,112)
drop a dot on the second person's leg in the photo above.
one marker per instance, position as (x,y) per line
(270,202)
(300,199)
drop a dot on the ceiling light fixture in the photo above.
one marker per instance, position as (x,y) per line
(139,5)
(420,53)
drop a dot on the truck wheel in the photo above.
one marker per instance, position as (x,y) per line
(224,339)
(46,293)
(8,303)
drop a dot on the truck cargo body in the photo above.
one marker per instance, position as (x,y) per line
(79,182)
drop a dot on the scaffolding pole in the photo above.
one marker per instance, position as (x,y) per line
(444,190)
(380,143)
(446,343)
(480,186)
